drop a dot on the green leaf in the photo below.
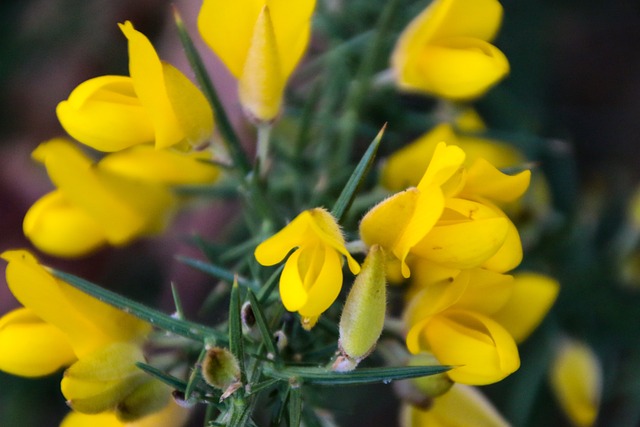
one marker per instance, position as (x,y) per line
(324,376)
(222,121)
(235,328)
(263,385)
(176,301)
(195,374)
(350,189)
(295,406)
(161,320)
(169,380)
(215,271)
(267,335)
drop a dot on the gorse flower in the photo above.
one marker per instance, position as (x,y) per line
(445,51)
(448,217)
(99,343)
(260,42)
(312,276)
(91,206)
(156,105)
(473,320)
(172,415)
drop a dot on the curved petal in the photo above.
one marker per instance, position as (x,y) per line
(146,163)
(446,161)
(261,82)
(275,248)
(405,167)
(328,230)
(484,180)
(147,74)
(482,351)
(436,297)
(172,415)
(532,297)
(487,293)
(30,347)
(292,291)
(59,228)
(464,244)
(459,68)
(191,108)
(509,255)
(104,113)
(326,285)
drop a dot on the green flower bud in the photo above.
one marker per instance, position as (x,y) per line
(148,398)
(364,311)
(220,368)
(432,385)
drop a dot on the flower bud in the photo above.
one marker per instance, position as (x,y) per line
(432,385)
(146,399)
(364,311)
(220,368)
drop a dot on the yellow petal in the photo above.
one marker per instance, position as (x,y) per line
(532,297)
(172,415)
(487,293)
(326,284)
(465,244)
(149,83)
(104,419)
(446,161)
(261,83)
(461,406)
(59,228)
(105,113)
(576,380)
(481,349)
(125,208)
(291,22)
(292,291)
(406,166)
(484,180)
(509,255)
(459,68)
(162,166)
(88,323)
(434,298)
(328,230)
(191,108)
(497,153)
(30,347)
(275,248)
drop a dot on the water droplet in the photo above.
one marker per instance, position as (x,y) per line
(387,381)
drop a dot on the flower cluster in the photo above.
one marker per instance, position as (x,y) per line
(442,231)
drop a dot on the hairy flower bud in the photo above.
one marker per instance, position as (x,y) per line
(220,368)
(363,313)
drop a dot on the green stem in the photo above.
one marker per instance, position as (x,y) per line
(262,154)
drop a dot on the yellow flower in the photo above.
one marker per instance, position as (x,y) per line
(157,104)
(473,319)
(172,415)
(445,51)
(312,276)
(576,380)
(260,42)
(461,406)
(405,167)
(60,326)
(449,218)
(92,206)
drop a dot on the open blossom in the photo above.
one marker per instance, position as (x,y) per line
(91,206)
(449,217)
(99,344)
(473,321)
(312,276)
(445,51)
(260,42)
(156,105)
